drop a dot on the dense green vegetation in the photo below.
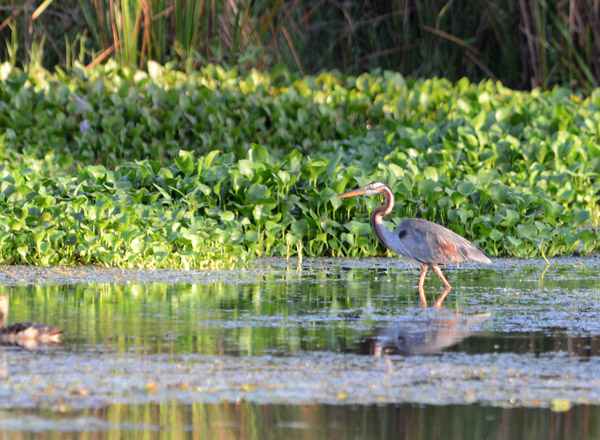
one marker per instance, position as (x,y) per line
(201,169)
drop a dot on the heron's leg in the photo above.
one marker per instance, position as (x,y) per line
(438,302)
(438,272)
(422,285)
(441,276)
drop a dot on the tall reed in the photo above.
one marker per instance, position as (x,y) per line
(523,43)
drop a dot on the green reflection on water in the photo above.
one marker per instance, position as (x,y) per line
(334,306)
(258,422)
(279,313)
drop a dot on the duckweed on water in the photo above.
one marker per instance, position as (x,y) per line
(500,380)
(215,167)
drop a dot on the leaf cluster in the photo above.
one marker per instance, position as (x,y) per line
(212,167)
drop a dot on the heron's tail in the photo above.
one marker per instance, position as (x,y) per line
(477,255)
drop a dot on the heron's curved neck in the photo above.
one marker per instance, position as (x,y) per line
(381,211)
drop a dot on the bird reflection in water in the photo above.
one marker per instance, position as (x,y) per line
(30,335)
(426,333)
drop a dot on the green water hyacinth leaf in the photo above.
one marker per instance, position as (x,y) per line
(227,216)
(326,195)
(23,251)
(427,187)
(246,168)
(465,188)
(257,193)
(258,153)
(251,236)
(137,245)
(300,228)
(588,238)
(516,242)
(284,177)
(431,173)
(236,237)
(566,194)
(527,231)
(458,197)
(580,216)
(552,209)
(496,235)
(95,172)
(261,214)
(272,227)
(55,235)
(78,201)
(458,215)
(359,228)
(512,217)
(499,193)
(45,201)
(185,162)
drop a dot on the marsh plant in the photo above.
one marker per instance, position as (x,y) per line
(163,168)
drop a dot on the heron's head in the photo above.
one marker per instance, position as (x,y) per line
(368,190)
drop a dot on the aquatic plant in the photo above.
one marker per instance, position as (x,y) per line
(165,169)
(524,44)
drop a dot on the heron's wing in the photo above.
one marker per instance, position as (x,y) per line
(431,243)
(391,240)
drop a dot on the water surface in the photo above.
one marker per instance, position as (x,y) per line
(305,350)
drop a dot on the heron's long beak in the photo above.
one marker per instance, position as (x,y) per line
(354,192)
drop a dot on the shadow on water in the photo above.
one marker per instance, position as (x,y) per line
(275,352)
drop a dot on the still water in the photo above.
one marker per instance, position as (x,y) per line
(332,348)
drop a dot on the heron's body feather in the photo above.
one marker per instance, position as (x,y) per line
(430,243)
